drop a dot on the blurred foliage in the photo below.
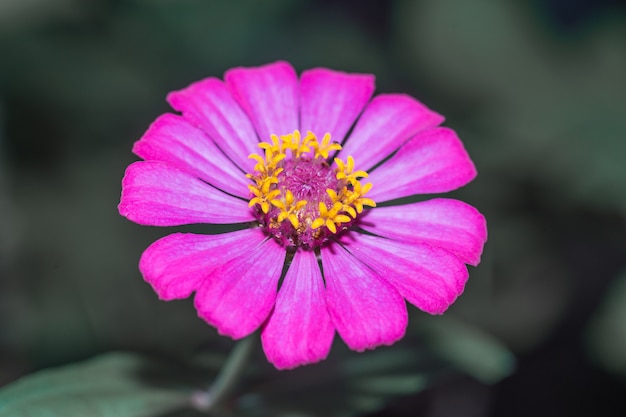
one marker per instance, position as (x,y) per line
(606,335)
(132,385)
(110,385)
(535,89)
(467,348)
(556,105)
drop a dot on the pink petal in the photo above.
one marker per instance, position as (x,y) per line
(428,277)
(387,122)
(434,161)
(332,100)
(269,95)
(365,309)
(449,224)
(299,330)
(209,105)
(238,296)
(157,194)
(178,264)
(174,140)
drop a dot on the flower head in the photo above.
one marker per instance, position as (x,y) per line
(307,161)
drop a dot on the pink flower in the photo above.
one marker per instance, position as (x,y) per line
(307,193)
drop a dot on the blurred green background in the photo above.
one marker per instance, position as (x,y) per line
(536,90)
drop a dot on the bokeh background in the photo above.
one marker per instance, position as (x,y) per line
(536,90)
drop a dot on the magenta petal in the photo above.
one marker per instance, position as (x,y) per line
(446,223)
(332,100)
(299,330)
(210,106)
(178,264)
(366,310)
(387,122)
(269,95)
(428,277)
(237,297)
(434,161)
(157,194)
(174,140)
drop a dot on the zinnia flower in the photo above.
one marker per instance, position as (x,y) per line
(306,164)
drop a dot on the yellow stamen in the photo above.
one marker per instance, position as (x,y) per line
(344,171)
(277,146)
(261,198)
(322,148)
(341,198)
(276,200)
(289,210)
(356,199)
(330,218)
(296,143)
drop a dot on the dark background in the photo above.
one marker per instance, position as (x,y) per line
(536,90)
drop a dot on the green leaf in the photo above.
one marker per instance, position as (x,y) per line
(115,384)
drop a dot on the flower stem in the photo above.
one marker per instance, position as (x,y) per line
(227,377)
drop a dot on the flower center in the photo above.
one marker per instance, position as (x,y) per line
(301,200)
